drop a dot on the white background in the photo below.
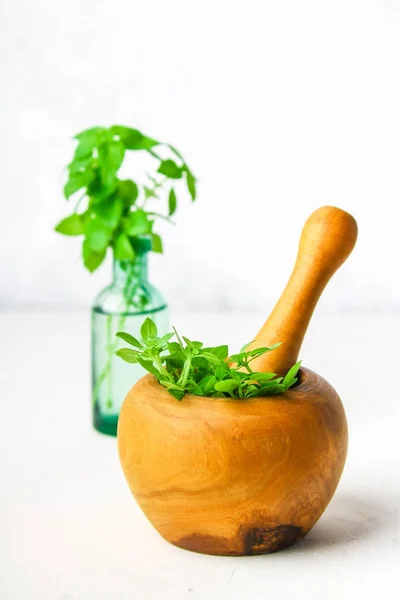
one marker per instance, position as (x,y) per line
(278,106)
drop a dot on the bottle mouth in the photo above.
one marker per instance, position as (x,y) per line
(142,244)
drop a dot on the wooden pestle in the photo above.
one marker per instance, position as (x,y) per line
(328,237)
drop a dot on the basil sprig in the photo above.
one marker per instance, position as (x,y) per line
(116,211)
(184,367)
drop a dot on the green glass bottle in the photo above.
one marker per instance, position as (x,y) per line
(122,306)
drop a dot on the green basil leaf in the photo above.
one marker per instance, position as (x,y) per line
(222,371)
(148,329)
(227,385)
(138,223)
(91,259)
(290,377)
(165,338)
(71,225)
(109,210)
(194,344)
(188,342)
(128,191)
(83,151)
(98,235)
(88,141)
(191,184)
(148,365)
(243,348)
(156,243)
(109,180)
(77,181)
(144,143)
(111,155)
(271,390)
(207,384)
(129,339)
(170,169)
(78,165)
(175,361)
(103,186)
(173,347)
(121,131)
(211,358)
(266,384)
(220,352)
(260,351)
(236,357)
(92,135)
(262,376)
(128,355)
(194,388)
(200,364)
(251,391)
(172,202)
(123,248)
(133,139)
(177,394)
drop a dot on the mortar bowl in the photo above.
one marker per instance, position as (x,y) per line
(233,477)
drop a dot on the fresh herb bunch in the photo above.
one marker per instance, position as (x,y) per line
(116,210)
(186,367)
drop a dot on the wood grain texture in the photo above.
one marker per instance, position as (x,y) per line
(233,477)
(327,239)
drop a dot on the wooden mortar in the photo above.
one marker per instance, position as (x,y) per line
(238,477)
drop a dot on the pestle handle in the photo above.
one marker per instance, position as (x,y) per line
(327,239)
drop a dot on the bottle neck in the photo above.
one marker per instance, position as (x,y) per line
(128,272)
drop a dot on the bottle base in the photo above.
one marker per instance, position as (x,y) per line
(105,424)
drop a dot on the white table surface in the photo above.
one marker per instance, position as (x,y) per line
(70,529)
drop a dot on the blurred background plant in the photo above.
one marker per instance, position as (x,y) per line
(115,213)
(117,210)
